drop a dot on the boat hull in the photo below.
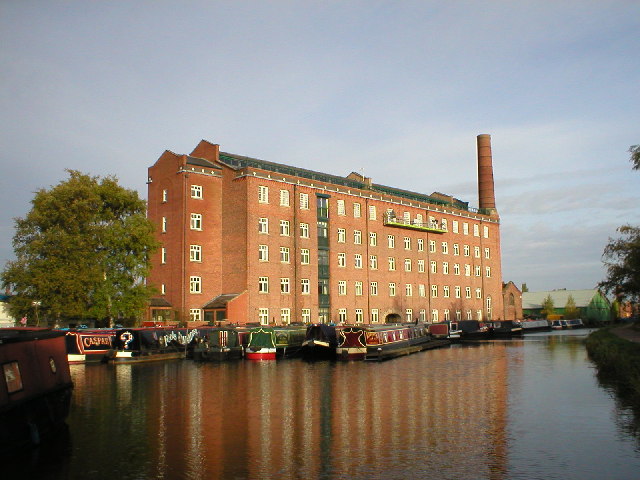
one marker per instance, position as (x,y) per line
(260,354)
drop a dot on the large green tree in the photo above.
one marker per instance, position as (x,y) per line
(548,307)
(622,259)
(82,251)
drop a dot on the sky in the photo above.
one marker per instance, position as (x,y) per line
(397,89)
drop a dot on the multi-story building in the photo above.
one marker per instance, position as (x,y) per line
(249,240)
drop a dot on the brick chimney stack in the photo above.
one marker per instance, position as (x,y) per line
(486,195)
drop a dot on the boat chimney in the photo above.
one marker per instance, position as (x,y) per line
(486,194)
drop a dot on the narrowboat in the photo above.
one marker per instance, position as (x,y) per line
(35,392)
(145,344)
(447,330)
(352,344)
(505,328)
(320,342)
(89,345)
(473,330)
(574,323)
(217,344)
(535,325)
(558,324)
(269,343)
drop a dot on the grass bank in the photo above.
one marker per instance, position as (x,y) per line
(616,358)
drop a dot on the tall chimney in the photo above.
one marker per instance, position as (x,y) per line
(486,195)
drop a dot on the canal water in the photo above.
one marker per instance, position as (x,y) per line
(530,408)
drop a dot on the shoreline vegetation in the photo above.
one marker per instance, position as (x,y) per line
(617,355)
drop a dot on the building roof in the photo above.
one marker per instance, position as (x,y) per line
(582,298)
(159,302)
(221,300)
(201,162)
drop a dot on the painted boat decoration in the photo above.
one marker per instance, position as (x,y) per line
(269,343)
(89,345)
(445,330)
(320,342)
(217,344)
(145,344)
(35,390)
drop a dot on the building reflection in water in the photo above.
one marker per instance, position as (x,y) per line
(438,412)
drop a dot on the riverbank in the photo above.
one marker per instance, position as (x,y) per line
(616,352)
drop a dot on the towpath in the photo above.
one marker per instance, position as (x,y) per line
(628,332)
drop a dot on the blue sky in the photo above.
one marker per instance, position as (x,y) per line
(397,88)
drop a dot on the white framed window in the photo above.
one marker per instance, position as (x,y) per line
(357,237)
(373,288)
(406,216)
(285,228)
(304,256)
(445,291)
(284,255)
(434,266)
(479,315)
(263,225)
(444,224)
(358,288)
(456,269)
(458,291)
(407,243)
(478,271)
(340,206)
(373,262)
(284,198)
(423,315)
(305,315)
(263,284)
(163,289)
(165,195)
(469,315)
(359,315)
(304,201)
(285,316)
(445,248)
(486,231)
(356,210)
(421,266)
(454,226)
(196,221)
(164,224)
(195,284)
(421,290)
(196,191)
(342,235)
(487,253)
(407,264)
(445,268)
(342,287)
(263,194)
(467,270)
(392,289)
(488,270)
(195,253)
(432,246)
(391,241)
(285,286)
(263,316)
(194,314)
(392,264)
(434,291)
(373,239)
(163,255)
(263,253)
(434,315)
(420,245)
(304,230)
(476,252)
(408,290)
(408,315)
(465,228)
(478,293)
(476,230)
(419,219)
(456,249)
(357,260)
(375,315)
(372,212)
(342,315)
(467,292)
(342,259)
(458,315)
(305,286)
(447,315)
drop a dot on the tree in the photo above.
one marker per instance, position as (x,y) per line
(82,251)
(570,309)
(547,306)
(622,259)
(634,150)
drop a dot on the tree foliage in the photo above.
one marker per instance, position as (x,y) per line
(622,259)
(634,150)
(82,251)
(548,307)
(570,309)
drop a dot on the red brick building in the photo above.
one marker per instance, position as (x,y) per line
(248,240)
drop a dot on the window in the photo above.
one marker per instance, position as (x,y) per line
(445,248)
(357,237)
(392,264)
(469,315)
(263,253)
(476,252)
(194,314)
(342,287)
(478,271)
(391,241)
(467,292)
(164,224)
(196,191)
(456,269)
(284,198)
(373,288)
(486,232)
(196,221)
(455,226)
(488,272)
(372,212)
(421,290)
(407,243)
(340,205)
(478,293)
(323,230)
(284,255)
(432,246)
(358,288)
(375,316)
(445,268)
(373,262)
(263,225)
(434,266)
(285,229)
(479,315)
(392,289)
(406,216)
(421,266)
(285,285)
(465,228)
(434,291)
(342,235)
(487,253)
(304,201)
(447,315)
(195,285)
(305,286)
(408,289)
(420,245)
(304,256)
(356,210)
(195,253)
(163,255)
(458,315)
(263,316)
(407,264)
(163,289)
(476,230)
(359,315)
(445,291)
(305,313)
(456,249)
(423,316)
(285,316)
(322,204)
(418,219)
(263,284)
(304,230)
(164,196)
(357,260)
(467,270)
(373,239)
(408,314)
(434,315)
(342,259)
(444,224)
(457,290)
(263,194)
(342,315)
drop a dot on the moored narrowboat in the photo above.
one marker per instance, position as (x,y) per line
(35,390)
(320,342)
(269,343)
(217,344)
(389,341)
(529,326)
(445,330)
(505,329)
(473,330)
(89,345)
(133,345)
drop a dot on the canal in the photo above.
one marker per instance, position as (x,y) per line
(530,408)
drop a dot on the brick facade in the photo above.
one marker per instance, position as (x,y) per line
(261,235)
